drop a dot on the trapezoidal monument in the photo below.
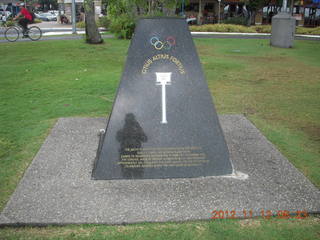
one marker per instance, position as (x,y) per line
(163,123)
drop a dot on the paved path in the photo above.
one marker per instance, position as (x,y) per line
(53,36)
(54,29)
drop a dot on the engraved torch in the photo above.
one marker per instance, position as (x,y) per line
(164,79)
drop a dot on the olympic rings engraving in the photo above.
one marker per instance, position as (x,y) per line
(159,45)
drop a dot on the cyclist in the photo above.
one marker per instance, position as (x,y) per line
(25,18)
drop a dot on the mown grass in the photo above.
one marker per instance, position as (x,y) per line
(277,89)
(42,81)
(202,230)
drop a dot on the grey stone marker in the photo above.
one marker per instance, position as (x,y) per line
(283,29)
(163,123)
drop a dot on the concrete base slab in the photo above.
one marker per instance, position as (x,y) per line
(57,187)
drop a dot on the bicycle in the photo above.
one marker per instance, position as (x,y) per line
(12,33)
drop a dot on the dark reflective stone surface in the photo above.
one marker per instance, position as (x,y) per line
(130,137)
(163,123)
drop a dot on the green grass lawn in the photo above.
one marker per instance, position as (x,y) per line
(200,230)
(277,89)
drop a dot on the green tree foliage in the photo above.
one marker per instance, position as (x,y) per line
(254,5)
(258,4)
(47,4)
(123,13)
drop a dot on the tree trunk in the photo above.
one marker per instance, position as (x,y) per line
(253,17)
(92,32)
(251,20)
(248,19)
(291,7)
(152,6)
(199,22)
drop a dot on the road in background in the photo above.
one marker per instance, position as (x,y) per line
(53,29)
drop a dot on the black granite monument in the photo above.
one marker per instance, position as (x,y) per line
(163,123)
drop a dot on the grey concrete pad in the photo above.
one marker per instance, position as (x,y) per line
(57,187)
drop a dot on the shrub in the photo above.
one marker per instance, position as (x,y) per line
(236,21)
(9,23)
(122,14)
(262,28)
(222,28)
(122,26)
(315,31)
(122,18)
(37,20)
(81,24)
(104,22)
(244,29)
(302,30)
(310,31)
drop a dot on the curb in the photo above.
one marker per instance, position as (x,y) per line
(230,33)
(249,34)
(66,29)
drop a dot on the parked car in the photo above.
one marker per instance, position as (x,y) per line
(191,21)
(5,13)
(46,16)
(54,12)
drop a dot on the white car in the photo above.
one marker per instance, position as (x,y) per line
(191,21)
(54,12)
(46,16)
(5,13)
